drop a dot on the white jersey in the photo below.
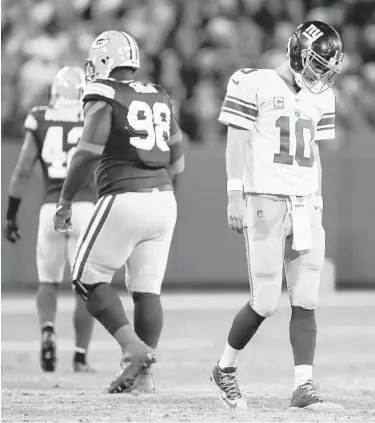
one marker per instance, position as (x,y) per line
(280,154)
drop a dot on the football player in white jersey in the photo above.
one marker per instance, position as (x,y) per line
(275,119)
(51,136)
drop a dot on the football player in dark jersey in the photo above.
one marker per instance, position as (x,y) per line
(51,137)
(132,138)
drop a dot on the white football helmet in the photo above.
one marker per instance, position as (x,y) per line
(68,84)
(110,50)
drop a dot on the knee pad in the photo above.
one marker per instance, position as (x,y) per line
(265,300)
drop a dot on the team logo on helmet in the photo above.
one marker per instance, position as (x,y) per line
(100,42)
(312,33)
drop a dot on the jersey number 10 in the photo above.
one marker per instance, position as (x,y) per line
(303,142)
(53,153)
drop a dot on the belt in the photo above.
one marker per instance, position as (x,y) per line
(167,187)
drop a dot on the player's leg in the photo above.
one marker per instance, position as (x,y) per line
(50,259)
(83,322)
(103,247)
(145,271)
(303,271)
(264,240)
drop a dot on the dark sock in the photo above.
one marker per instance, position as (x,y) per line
(148,317)
(302,334)
(244,326)
(83,324)
(46,303)
(79,357)
(105,305)
(48,328)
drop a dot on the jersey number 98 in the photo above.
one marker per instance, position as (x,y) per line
(55,155)
(154,122)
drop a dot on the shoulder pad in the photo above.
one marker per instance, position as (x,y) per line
(31,121)
(37,109)
(143,87)
(243,75)
(100,87)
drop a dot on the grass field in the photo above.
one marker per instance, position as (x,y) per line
(194,334)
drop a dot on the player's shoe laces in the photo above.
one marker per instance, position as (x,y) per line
(48,351)
(145,383)
(226,380)
(137,358)
(306,395)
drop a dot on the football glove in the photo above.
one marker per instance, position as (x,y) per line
(62,221)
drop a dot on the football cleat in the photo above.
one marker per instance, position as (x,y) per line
(48,351)
(136,359)
(82,368)
(306,395)
(226,380)
(145,383)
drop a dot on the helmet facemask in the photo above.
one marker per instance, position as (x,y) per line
(318,73)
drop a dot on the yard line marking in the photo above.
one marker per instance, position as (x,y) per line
(13,305)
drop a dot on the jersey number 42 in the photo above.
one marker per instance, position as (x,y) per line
(56,153)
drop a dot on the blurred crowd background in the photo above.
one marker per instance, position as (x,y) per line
(189,46)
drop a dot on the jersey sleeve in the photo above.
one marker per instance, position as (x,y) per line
(326,126)
(240,104)
(99,90)
(31,123)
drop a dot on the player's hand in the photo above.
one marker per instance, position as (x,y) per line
(11,231)
(62,221)
(237,220)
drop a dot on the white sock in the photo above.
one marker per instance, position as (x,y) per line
(302,374)
(229,357)
(80,350)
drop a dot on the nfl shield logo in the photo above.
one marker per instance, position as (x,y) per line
(278,102)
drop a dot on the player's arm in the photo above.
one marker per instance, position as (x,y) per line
(18,184)
(325,131)
(239,112)
(319,166)
(177,160)
(96,130)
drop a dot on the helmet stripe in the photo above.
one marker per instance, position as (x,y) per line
(132,45)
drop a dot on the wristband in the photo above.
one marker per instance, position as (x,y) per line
(13,206)
(234,184)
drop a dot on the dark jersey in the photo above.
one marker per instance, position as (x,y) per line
(137,154)
(56,132)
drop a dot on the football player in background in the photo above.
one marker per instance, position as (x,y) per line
(275,119)
(51,137)
(132,138)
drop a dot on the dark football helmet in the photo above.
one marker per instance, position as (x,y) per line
(315,54)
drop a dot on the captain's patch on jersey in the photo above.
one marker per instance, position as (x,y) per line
(278,102)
